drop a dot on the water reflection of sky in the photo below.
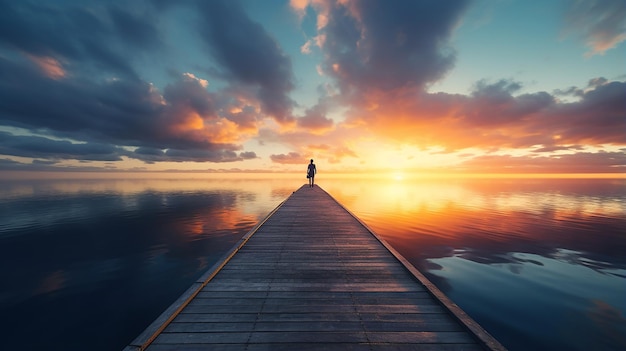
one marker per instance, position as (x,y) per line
(540,263)
(36,204)
(87,256)
(540,297)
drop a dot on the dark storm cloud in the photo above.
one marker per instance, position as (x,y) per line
(147,153)
(92,38)
(190,94)
(390,44)
(10,165)
(39,147)
(55,150)
(123,112)
(215,156)
(384,54)
(116,110)
(493,104)
(82,39)
(67,71)
(598,117)
(249,54)
(135,29)
(198,155)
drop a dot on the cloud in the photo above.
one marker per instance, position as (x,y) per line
(119,112)
(249,54)
(11,165)
(79,82)
(554,148)
(193,155)
(290,158)
(306,47)
(597,118)
(81,78)
(337,154)
(373,45)
(334,146)
(118,108)
(49,66)
(299,6)
(92,38)
(495,105)
(315,120)
(383,55)
(55,150)
(493,118)
(39,147)
(135,28)
(601,24)
(581,162)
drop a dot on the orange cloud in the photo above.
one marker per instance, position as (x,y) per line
(50,66)
(203,82)
(600,24)
(188,122)
(208,128)
(194,113)
(492,117)
(290,158)
(299,6)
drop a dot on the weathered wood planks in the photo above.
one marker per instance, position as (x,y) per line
(312,276)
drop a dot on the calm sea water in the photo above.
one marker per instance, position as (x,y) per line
(540,263)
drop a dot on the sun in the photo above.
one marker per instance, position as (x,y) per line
(398,176)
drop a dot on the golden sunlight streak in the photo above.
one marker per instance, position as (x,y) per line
(437,204)
(403,159)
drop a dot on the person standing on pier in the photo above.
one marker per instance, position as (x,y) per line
(310,173)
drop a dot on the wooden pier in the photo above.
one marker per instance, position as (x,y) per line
(312,276)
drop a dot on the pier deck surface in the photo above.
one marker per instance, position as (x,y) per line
(312,276)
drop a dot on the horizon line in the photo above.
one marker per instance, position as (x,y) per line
(394,175)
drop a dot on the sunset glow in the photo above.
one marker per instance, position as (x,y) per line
(397,88)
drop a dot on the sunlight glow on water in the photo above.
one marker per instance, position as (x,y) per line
(539,263)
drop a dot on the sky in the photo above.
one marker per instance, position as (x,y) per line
(401,87)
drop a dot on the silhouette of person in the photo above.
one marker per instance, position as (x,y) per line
(310,173)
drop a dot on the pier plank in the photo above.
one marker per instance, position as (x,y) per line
(312,276)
